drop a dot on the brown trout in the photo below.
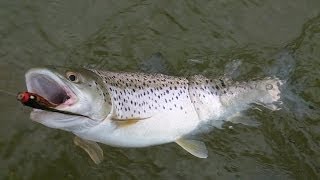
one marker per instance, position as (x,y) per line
(138,110)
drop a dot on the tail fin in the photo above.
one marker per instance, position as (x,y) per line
(296,105)
(283,67)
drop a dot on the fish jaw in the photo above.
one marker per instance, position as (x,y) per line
(51,87)
(82,97)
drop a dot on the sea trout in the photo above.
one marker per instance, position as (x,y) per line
(127,109)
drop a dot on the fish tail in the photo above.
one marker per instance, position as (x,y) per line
(299,107)
(270,93)
(221,97)
(265,92)
(282,65)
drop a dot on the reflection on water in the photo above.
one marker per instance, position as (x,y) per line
(245,39)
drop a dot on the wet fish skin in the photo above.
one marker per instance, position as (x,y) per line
(138,109)
(132,91)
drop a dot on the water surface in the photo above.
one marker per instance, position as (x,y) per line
(246,39)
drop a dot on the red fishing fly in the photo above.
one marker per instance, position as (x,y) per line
(34,100)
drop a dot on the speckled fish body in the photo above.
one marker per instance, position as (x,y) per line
(161,105)
(168,108)
(137,109)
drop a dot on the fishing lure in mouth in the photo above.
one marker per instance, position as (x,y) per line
(38,102)
(35,101)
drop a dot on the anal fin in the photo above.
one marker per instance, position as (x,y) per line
(194,147)
(92,148)
(270,106)
(239,118)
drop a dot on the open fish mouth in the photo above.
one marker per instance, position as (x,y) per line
(51,87)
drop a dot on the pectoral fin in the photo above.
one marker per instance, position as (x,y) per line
(239,118)
(194,147)
(91,147)
(126,123)
(128,119)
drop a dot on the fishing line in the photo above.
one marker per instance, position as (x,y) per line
(8,93)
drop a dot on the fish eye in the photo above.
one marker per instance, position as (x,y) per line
(73,77)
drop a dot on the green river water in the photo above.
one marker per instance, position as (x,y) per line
(243,38)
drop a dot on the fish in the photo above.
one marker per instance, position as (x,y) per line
(135,109)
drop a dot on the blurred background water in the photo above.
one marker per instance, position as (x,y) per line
(245,38)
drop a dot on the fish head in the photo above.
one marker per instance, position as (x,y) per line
(76,90)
